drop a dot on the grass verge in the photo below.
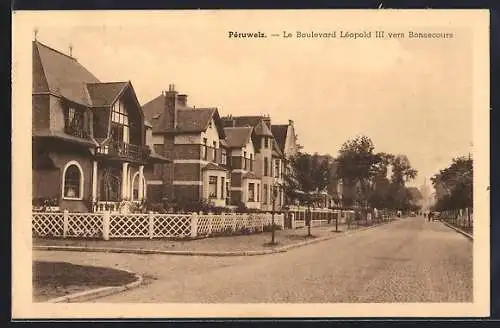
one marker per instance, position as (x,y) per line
(56,279)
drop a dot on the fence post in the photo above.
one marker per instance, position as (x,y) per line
(210,225)
(151,220)
(65,223)
(292,220)
(194,225)
(105,225)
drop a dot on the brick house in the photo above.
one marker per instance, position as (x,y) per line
(245,183)
(269,158)
(88,137)
(195,140)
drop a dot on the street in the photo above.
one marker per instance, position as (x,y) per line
(409,260)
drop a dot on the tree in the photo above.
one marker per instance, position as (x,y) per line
(454,184)
(402,171)
(357,165)
(309,174)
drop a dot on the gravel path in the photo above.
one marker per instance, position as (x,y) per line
(405,261)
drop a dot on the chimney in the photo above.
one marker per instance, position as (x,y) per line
(182,100)
(267,120)
(171,108)
(70,50)
(290,122)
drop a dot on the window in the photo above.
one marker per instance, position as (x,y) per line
(223,158)
(245,160)
(277,168)
(251,192)
(212,187)
(75,123)
(204,149)
(214,152)
(258,192)
(119,122)
(266,166)
(222,184)
(264,194)
(251,162)
(227,189)
(210,124)
(72,181)
(266,142)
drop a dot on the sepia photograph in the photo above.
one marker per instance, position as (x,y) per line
(250,163)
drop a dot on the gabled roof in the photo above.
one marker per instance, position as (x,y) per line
(280,132)
(189,120)
(238,137)
(153,112)
(276,149)
(105,94)
(194,120)
(63,74)
(260,127)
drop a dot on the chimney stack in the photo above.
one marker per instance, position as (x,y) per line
(171,107)
(290,122)
(70,50)
(182,99)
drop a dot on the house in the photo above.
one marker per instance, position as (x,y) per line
(88,137)
(268,157)
(245,183)
(195,140)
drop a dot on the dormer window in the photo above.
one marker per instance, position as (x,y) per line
(75,123)
(119,123)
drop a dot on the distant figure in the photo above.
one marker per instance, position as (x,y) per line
(430,216)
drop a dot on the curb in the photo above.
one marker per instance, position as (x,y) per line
(469,236)
(197,253)
(98,292)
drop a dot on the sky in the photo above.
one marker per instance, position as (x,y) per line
(411,97)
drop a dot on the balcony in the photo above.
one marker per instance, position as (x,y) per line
(125,151)
(76,131)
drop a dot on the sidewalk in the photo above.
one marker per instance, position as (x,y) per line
(248,243)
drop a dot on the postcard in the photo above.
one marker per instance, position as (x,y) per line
(250,163)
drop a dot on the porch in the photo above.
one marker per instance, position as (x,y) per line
(117,187)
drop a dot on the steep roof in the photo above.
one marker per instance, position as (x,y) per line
(260,127)
(189,120)
(104,94)
(238,137)
(194,120)
(279,132)
(63,74)
(276,149)
(153,112)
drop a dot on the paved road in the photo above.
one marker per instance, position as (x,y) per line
(410,260)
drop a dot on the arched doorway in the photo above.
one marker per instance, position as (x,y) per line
(135,188)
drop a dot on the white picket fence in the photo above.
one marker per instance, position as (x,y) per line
(106,225)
